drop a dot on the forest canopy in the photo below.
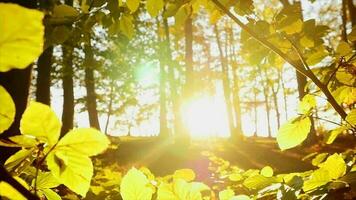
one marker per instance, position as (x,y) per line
(177,100)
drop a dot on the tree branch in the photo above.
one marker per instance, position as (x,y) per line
(5,176)
(297,65)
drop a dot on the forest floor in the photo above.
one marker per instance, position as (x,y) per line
(163,158)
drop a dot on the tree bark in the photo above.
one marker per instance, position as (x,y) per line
(284,95)
(90,87)
(352,12)
(268,109)
(68,91)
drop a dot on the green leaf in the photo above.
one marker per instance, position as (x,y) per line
(40,121)
(46,180)
(25,141)
(180,189)
(226,194)
(79,140)
(17,159)
(335,165)
(319,159)
(7,108)
(6,190)
(343,48)
(318,178)
(154,7)
(72,169)
(332,135)
(133,5)
(293,133)
(21,38)
(259,181)
(126,26)
(308,102)
(135,186)
(185,174)
(351,117)
(267,171)
(63,11)
(50,194)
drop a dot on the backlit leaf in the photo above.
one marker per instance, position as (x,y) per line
(267,171)
(6,190)
(154,7)
(318,178)
(7,108)
(135,186)
(40,121)
(293,133)
(126,26)
(133,5)
(351,117)
(335,165)
(21,38)
(308,102)
(185,174)
(226,194)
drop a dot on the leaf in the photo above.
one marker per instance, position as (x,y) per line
(293,133)
(343,48)
(267,171)
(241,197)
(14,161)
(335,165)
(133,5)
(25,141)
(235,177)
(126,26)
(180,189)
(135,186)
(6,190)
(7,108)
(50,194)
(345,77)
(352,35)
(351,117)
(226,194)
(317,55)
(85,141)
(60,34)
(185,174)
(72,169)
(318,178)
(244,7)
(330,137)
(308,102)
(154,7)
(40,121)
(259,181)
(63,11)
(21,38)
(182,15)
(319,159)
(290,24)
(46,180)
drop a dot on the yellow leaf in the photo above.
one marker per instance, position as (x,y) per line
(7,108)
(63,10)
(226,194)
(39,120)
(335,165)
(343,48)
(308,102)
(319,178)
(6,190)
(133,5)
(71,168)
(267,171)
(185,174)
(85,141)
(154,7)
(351,117)
(181,189)
(135,186)
(293,133)
(21,38)
(126,26)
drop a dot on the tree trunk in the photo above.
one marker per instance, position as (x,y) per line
(68,91)
(344,20)
(17,83)
(109,107)
(352,12)
(255,111)
(183,137)
(90,87)
(43,85)
(163,130)
(236,87)
(226,87)
(268,109)
(284,94)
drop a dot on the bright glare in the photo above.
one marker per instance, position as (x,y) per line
(206,117)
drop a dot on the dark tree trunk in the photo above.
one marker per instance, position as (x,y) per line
(68,89)
(163,130)
(226,87)
(43,85)
(17,83)
(90,87)
(352,12)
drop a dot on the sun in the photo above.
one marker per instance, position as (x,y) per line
(206,117)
